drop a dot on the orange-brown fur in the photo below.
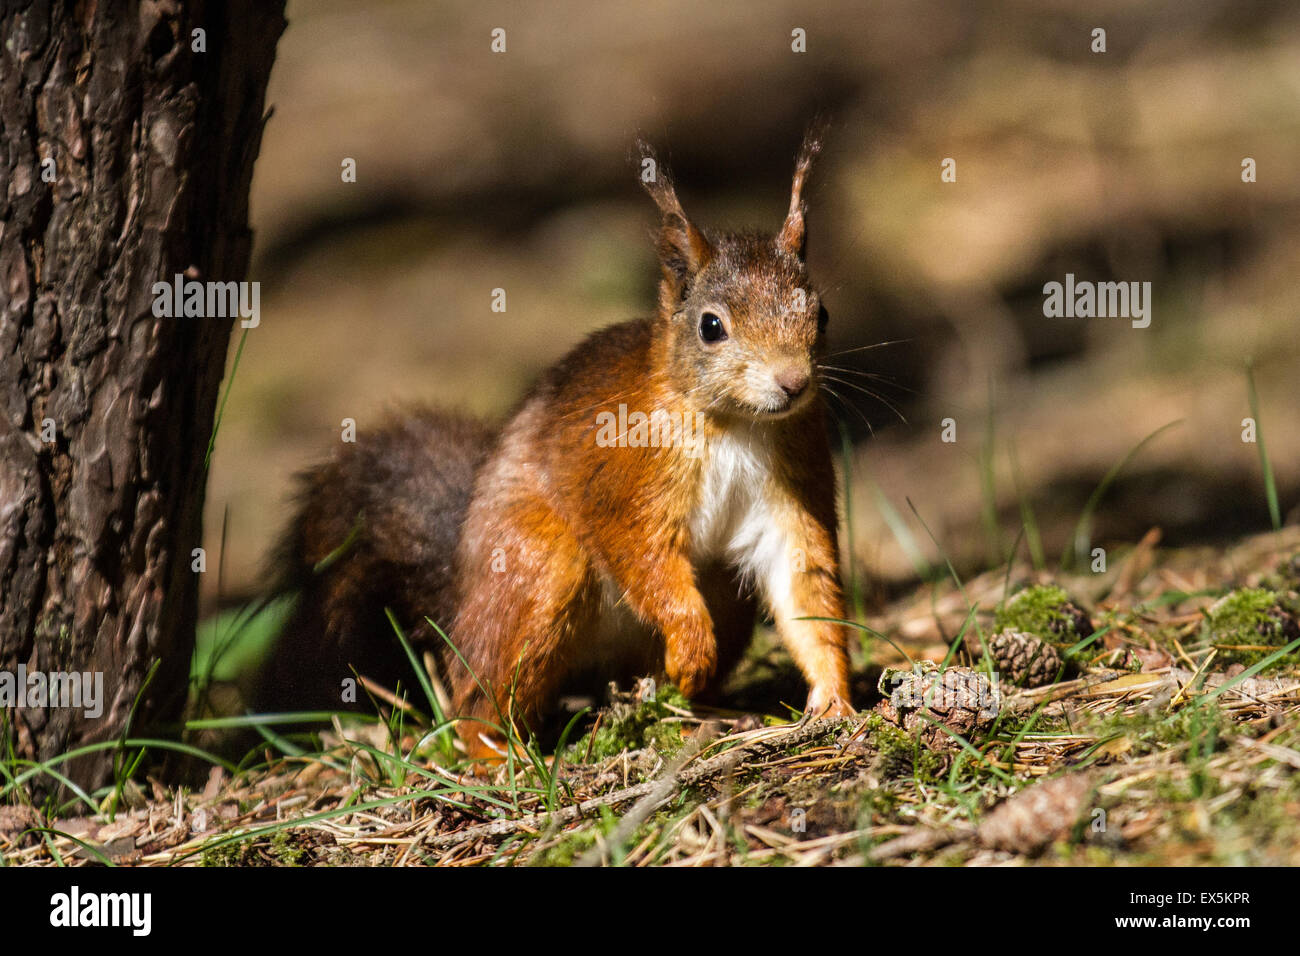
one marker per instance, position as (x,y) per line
(576,558)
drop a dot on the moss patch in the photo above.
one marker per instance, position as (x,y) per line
(567,850)
(900,754)
(1045,611)
(633,725)
(1250,618)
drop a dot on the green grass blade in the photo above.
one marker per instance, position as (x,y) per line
(988,485)
(444,741)
(225,395)
(1270,483)
(1080,539)
(1028,520)
(899,529)
(1251,671)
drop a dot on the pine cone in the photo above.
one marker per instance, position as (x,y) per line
(1033,819)
(1286,576)
(1286,630)
(1075,626)
(959,698)
(1021,659)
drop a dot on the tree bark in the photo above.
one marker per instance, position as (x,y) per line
(153,144)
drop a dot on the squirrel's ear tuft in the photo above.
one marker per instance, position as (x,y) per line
(793,231)
(683,249)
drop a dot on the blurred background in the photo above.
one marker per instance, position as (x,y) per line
(477,170)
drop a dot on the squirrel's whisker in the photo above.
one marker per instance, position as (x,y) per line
(866,391)
(888,380)
(847,404)
(866,348)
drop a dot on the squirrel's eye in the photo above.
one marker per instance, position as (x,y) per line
(822,319)
(711,329)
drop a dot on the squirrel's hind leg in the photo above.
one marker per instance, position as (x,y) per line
(530,599)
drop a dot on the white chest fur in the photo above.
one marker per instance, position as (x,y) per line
(737,513)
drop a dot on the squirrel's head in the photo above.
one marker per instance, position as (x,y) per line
(743,323)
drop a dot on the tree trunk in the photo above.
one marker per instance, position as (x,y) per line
(152,129)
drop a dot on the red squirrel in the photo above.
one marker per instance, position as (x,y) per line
(658,485)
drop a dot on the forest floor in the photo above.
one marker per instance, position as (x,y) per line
(1145,715)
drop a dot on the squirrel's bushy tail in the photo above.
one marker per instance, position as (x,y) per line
(376,526)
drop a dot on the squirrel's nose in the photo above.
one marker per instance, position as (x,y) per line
(793,379)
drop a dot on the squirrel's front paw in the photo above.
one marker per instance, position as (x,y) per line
(691,665)
(823,702)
